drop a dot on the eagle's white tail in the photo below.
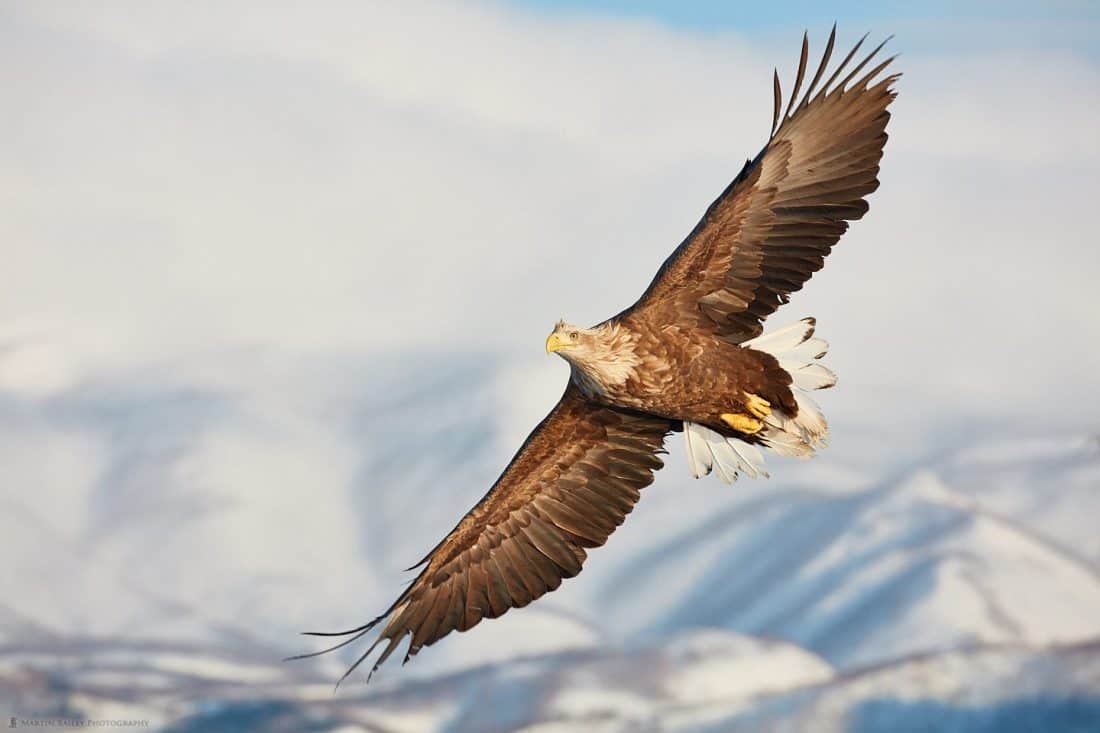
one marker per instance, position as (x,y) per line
(797,351)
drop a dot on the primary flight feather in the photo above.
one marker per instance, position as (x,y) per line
(689,356)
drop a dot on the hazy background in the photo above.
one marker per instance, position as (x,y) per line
(275,286)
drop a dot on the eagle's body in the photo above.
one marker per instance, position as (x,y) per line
(690,355)
(685,376)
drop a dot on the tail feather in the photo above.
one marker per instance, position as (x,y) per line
(797,350)
(809,376)
(784,339)
(786,438)
(811,421)
(711,451)
(700,459)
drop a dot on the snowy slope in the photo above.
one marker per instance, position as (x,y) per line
(909,567)
(1005,689)
(627,685)
(706,681)
(1047,482)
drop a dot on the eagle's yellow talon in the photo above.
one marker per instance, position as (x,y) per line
(757,405)
(742,423)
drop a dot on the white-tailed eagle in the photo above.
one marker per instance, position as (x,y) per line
(689,356)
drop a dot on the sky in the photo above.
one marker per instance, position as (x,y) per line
(241,245)
(979,25)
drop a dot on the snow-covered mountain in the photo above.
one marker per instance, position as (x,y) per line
(712,607)
(998,689)
(705,681)
(905,567)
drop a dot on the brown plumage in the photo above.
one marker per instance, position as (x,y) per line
(689,355)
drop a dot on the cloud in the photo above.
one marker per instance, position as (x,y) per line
(366,178)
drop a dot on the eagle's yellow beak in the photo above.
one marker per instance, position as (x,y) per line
(555,342)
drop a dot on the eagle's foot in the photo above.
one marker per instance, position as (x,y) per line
(758,406)
(742,423)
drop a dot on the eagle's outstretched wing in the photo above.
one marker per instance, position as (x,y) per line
(573,481)
(772,227)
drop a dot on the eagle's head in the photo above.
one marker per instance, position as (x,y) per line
(571,342)
(604,354)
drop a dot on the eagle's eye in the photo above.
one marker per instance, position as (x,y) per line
(573,335)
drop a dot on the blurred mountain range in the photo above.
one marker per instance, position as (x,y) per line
(959,591)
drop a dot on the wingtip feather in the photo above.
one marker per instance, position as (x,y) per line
(777,103)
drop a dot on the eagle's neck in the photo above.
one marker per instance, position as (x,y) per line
(600,371)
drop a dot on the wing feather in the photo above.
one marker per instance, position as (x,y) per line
(773,226)
(517,589)
(500,597)
(572,482)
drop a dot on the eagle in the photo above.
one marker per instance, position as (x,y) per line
(689,356)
